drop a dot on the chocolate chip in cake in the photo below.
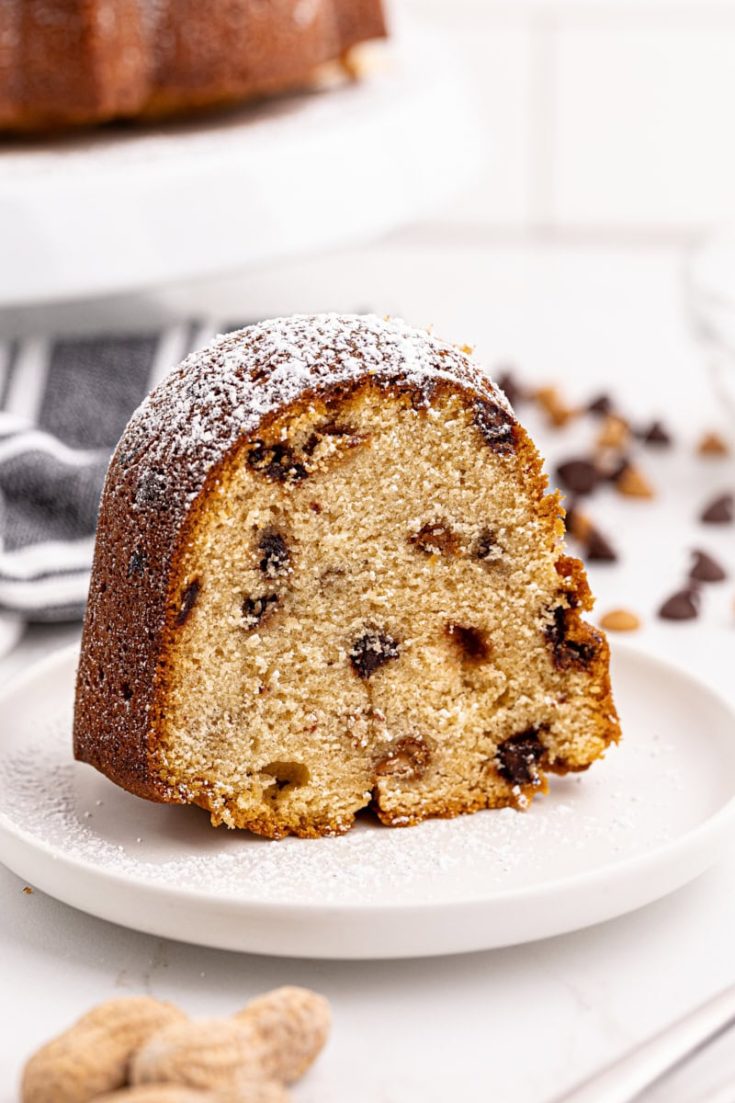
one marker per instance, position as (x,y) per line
(126,691)
(719,511)
(152,489)
(600,405)
(137,563)
(580,476)
(435,538)
(599,549)
(407,759)
(473,644)
(517,758)
(567,652)
(276,556)
(255,608)
(188,600)
(372,651)
(706,569)
(276,461)
(496,425)
(655,434)
(486,545)
(683,605)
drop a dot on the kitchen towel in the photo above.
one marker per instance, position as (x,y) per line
(63,406)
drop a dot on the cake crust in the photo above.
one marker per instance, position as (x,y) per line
(189,438)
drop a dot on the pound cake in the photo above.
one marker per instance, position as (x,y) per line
(328,577)
(73,62)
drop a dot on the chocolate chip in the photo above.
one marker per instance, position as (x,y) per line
(706,569)
(510,387)
(656,434)
(517,758)
(276,556)
(601,405)
(435,538)
(137,563)
(152,489)
(683,605)
(472,642)
(188,600)
(496,425)
(568,653)
(485,545)
(372,651)
(255,608)
(581,476)
(276,461)
(719,511)
(407,759)
(599,549)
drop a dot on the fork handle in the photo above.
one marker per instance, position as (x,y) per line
(624,1079)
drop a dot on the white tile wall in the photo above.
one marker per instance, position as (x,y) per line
(599,115)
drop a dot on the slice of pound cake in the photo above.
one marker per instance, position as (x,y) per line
(328,577)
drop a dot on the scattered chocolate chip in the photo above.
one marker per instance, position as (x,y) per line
(276,556)
(137,563)
(601,405)
(599,549)
(518,757)
(683,605)
(188,600)
(655,433)
(472,642)
(276,461)
(706,569)
(719,511)
(485,544)
(510,387)
(567,652)
(372,651)
(435,538)
(496,425)
(407,759)
(581,476)
(255,608)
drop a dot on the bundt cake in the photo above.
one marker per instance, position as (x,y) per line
(328,577)
(70,62)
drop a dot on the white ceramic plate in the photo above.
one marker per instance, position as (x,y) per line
(116,210)
(651,817)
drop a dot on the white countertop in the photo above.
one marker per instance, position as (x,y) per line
(518,1025)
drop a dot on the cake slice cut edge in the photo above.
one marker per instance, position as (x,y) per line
(355,596)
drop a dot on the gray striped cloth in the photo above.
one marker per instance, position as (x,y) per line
(63,406)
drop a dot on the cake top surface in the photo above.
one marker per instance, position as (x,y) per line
(225,390)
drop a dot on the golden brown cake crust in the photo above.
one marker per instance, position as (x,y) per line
(183,441)
(78,62)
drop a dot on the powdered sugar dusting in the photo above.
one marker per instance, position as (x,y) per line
(226,390)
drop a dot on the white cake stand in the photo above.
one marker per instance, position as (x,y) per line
(121,209)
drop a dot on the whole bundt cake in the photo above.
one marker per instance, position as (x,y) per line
(327,577)
(70,62)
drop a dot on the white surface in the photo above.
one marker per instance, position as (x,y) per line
(656,813)
(118,209)
(517,1025)
(602,115)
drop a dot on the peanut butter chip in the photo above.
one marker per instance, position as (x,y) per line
(620,620)
(634,484)
(712,444)
(614,433)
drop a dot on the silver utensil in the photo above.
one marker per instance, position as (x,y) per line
(626,1078)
